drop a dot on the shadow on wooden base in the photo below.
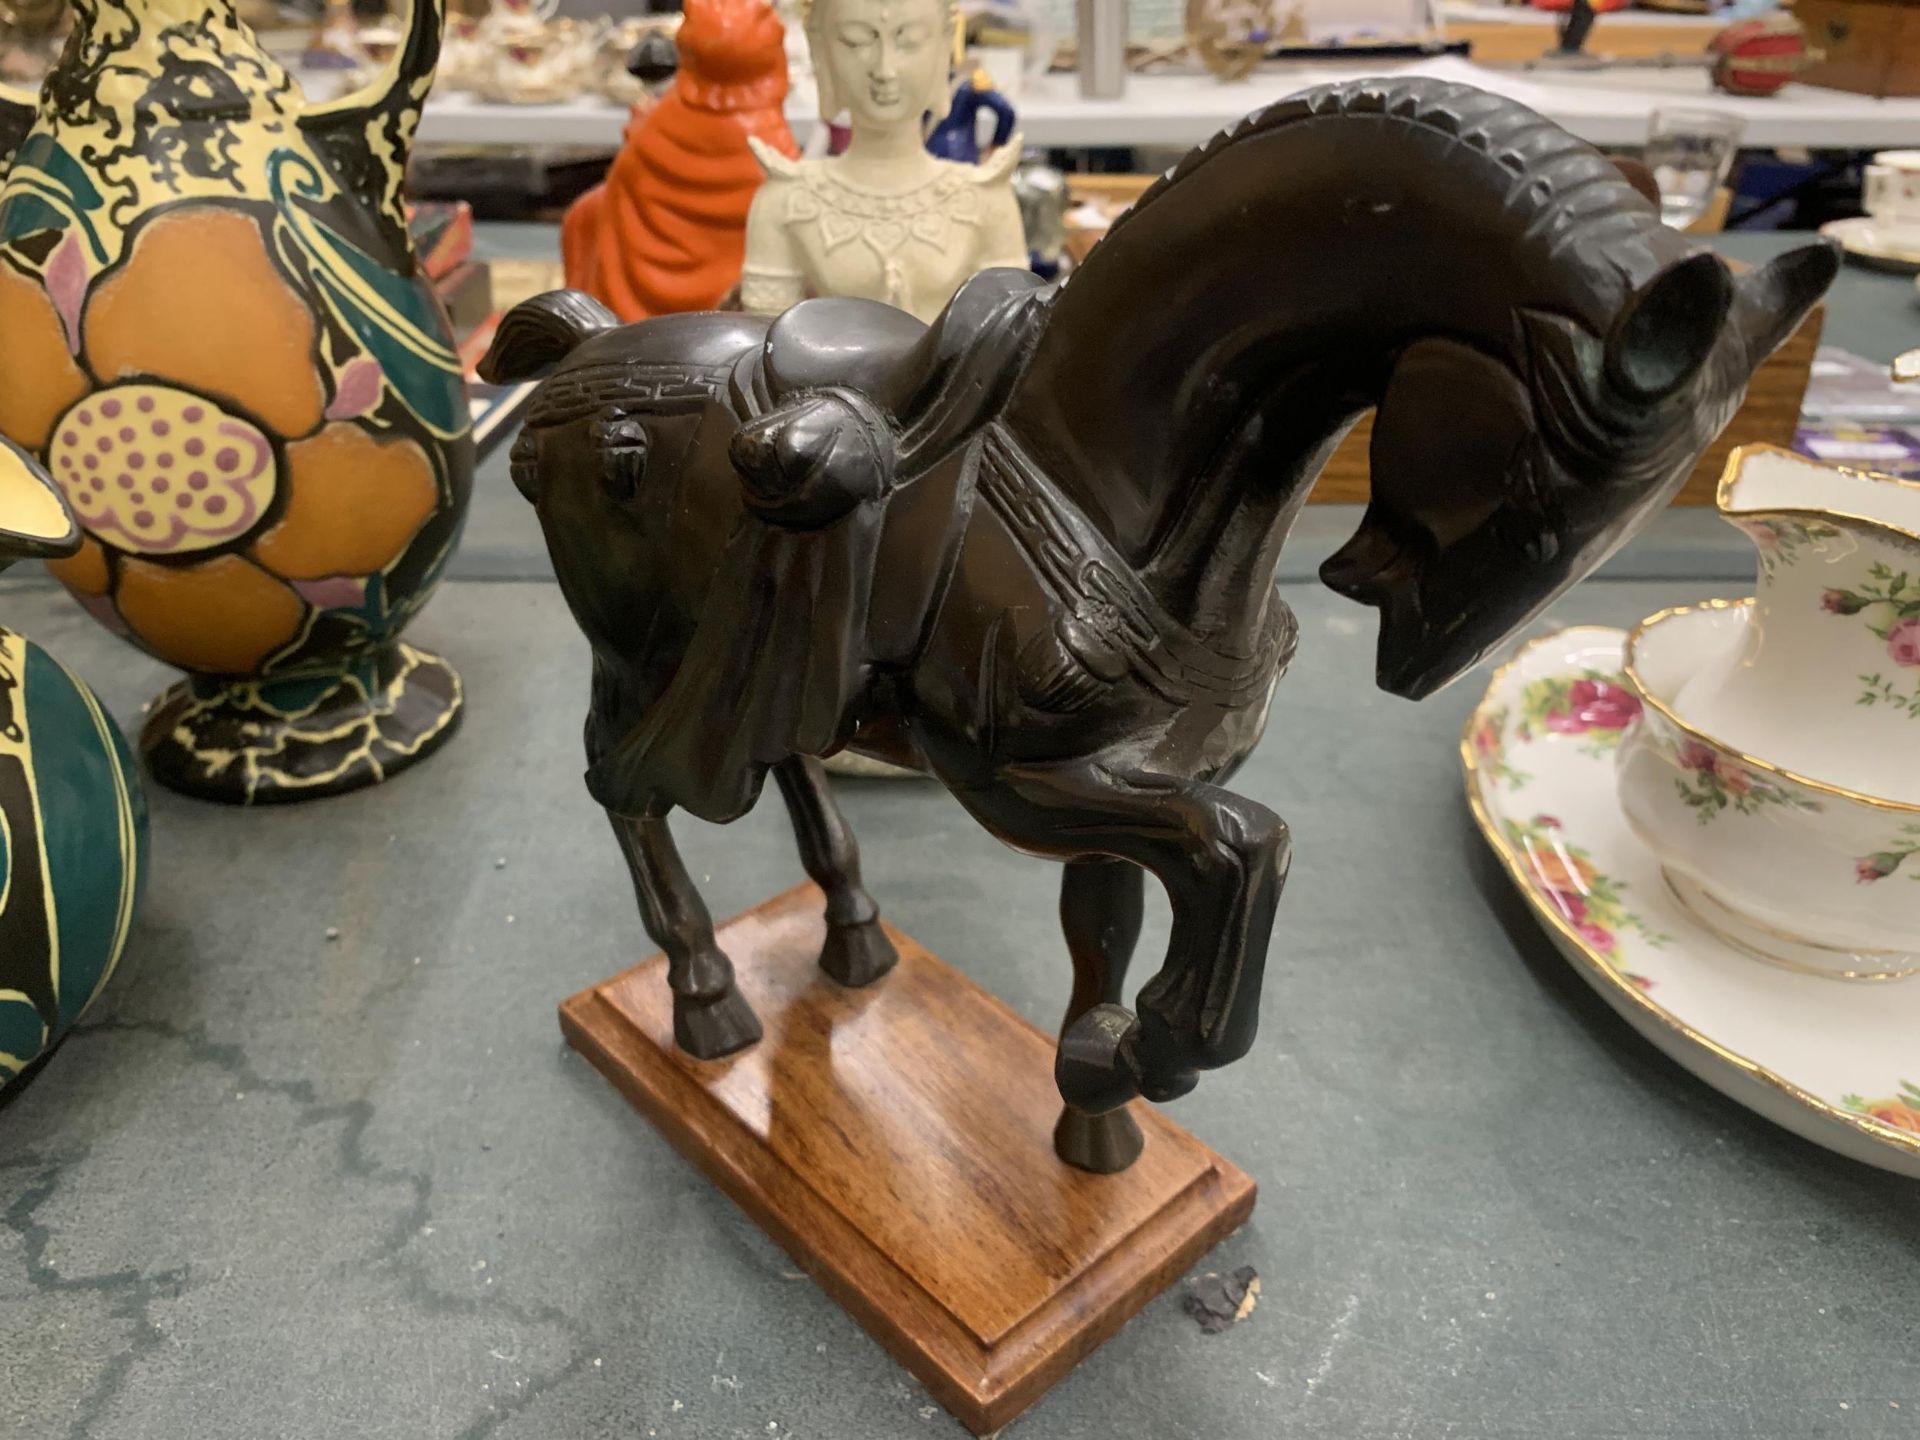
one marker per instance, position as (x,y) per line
(897,1142)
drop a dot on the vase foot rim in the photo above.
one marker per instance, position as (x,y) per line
(244,744)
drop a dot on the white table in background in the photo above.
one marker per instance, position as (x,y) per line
(1175,111)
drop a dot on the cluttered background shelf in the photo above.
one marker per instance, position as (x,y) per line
(1605,108)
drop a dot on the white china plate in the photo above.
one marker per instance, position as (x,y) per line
(1836,1062)
(1861,236)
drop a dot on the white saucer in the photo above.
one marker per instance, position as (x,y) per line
(1837,1063)
(1865,239)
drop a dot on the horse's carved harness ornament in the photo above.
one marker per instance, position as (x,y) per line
(1029,549)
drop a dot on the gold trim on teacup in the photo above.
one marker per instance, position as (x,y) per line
(1752,762)
(1730,476)
(1759,952)
(1597,963)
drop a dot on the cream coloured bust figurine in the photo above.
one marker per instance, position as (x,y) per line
(886,220)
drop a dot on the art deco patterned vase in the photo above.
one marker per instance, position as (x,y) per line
(73,821)
(217,342)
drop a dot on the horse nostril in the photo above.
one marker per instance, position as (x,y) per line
(1352,569)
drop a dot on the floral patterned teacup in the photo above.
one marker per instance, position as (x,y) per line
(1825,677)
(1785,866)
(1891,194)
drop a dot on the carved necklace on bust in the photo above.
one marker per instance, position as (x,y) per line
(824,213)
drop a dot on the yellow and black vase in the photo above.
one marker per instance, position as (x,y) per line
(73,821)
(214,337)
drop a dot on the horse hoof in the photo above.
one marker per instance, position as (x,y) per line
(1104,1144)
(709,1029)
(857,955)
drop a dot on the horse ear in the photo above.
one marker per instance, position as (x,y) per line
(1670,326)
(538,334)
(1774,299)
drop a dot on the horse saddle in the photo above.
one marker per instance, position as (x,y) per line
(932,385)
(848,401)
(855,455)
(896,361)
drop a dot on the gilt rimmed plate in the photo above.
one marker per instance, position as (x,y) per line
(1866,240)
(1837,1063)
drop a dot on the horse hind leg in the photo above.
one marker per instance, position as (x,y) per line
(857,951)
(710,1016)
(1100,911)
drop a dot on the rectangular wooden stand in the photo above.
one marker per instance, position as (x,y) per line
(897,1142)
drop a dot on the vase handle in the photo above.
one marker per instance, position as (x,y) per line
(17,111)
(368,133)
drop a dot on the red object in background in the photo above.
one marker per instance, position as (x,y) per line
(666,231)
(1600,7)
(1757,57)
(442,234)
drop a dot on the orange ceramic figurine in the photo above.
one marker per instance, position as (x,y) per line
(667,230)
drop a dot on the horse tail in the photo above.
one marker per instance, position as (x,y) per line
(538,334)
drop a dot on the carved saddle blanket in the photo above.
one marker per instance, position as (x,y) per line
(804,608)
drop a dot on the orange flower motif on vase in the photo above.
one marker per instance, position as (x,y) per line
(219,342)
(217,442)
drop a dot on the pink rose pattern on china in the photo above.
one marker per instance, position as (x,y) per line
(1888,602)
(1592,903)
(1711,783)
(1903,641)
(1592,706)
(1489,741)
(1780,539)
(159,470)
(1871,869)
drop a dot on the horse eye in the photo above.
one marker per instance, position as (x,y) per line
(523,465)
(1527,536)
(624,460)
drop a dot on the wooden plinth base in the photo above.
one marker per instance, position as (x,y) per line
(897,1142)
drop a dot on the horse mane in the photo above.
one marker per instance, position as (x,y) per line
(1575,193)
(538,334)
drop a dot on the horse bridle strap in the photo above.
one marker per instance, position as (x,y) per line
(1096,587)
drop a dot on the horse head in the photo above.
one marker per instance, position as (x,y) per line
(1547,361)
(613,433)
(1498,480)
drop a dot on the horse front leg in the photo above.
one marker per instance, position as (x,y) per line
(1100,913)
(1222,859)
(857,951)
(710,1016)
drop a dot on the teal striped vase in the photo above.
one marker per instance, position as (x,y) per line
(73,819)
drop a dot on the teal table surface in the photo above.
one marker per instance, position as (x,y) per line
(318,1165)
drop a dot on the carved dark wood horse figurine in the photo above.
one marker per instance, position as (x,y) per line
(1030,549)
